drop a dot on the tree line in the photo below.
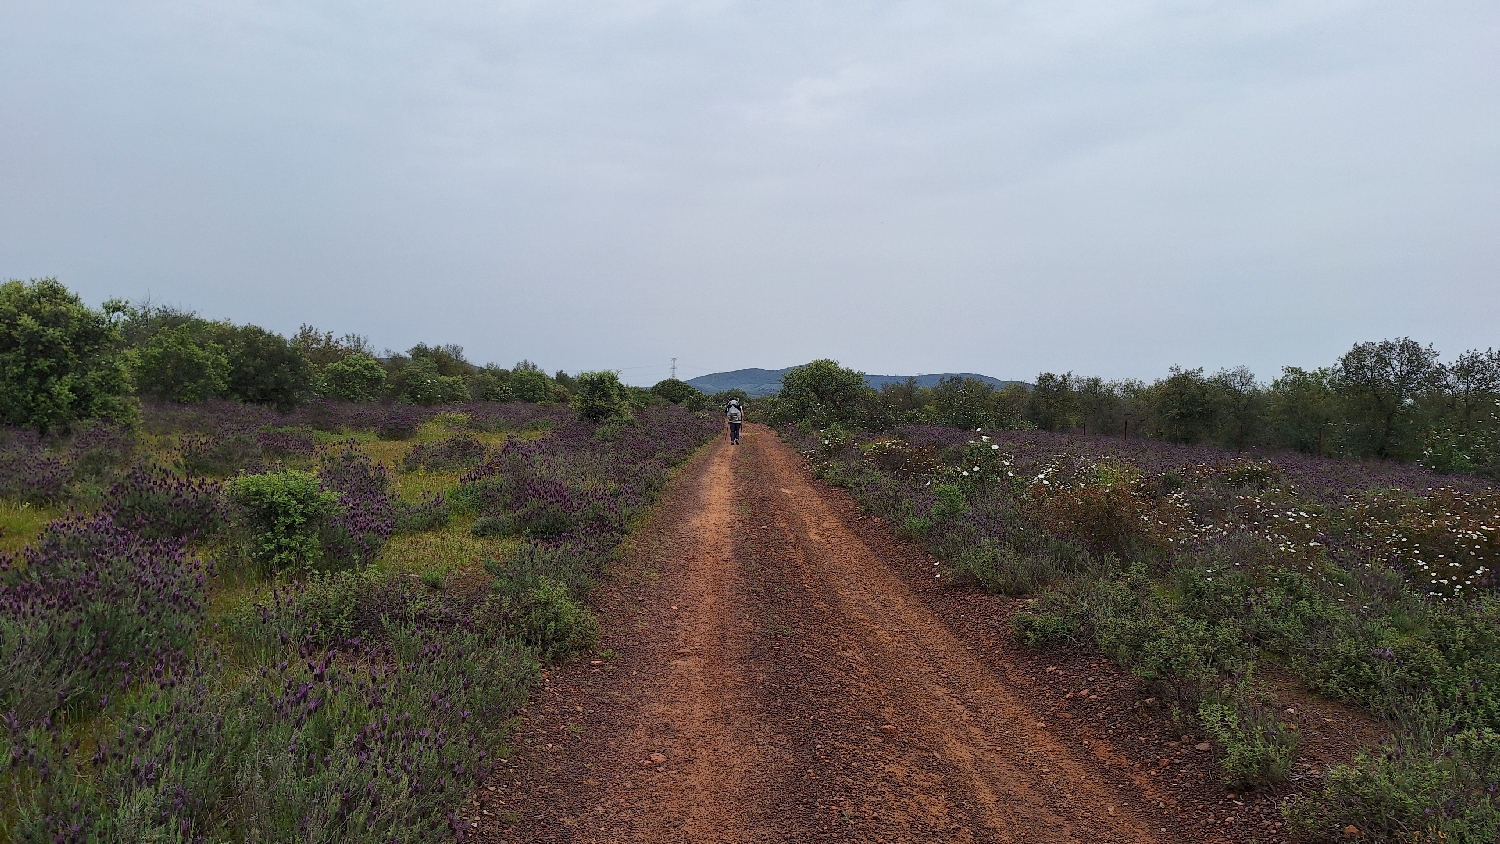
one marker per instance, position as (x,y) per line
(1388,399)
(62,361)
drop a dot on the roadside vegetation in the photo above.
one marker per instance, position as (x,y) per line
(1206,570)
(254,589)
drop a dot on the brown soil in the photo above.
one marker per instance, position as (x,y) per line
(779,667)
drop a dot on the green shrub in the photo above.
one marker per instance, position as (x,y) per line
(358,377)
(180,364)
(283,514)
(1257,748)
(419,382)
(1043,629)
(58,358)
(600,397)
(529,383)
(547,619)
(323,610)
(430,513)
(264,368)
(1138,628)
(950,502)
(504,524)
(1423,787)
(821,393)
(1001,568)
(220,455)
(680,392)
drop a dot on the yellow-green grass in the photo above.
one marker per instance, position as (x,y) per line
(448,550)
(21,524)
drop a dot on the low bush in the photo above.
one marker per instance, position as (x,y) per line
(1420,787)
(100,452)
(400,423)
(290,442)
(284,515)
(504,524)
(376,746)
(1002,569)
(546,618)
(221,455)
(157,506)
(1257,748)
(458,452)
(430,512)
(33,477)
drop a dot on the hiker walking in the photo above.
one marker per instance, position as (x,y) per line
(736,418)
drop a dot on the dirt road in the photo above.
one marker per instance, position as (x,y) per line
(777,669)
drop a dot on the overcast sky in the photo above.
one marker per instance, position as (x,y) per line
(998,187)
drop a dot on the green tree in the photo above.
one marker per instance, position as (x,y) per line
(1380,385)
(1242,408)
(907,401)
(1302,411)
(1474,384)
(1184,406)
(529,383)
(448,359)
(822,393)
(59,359)
(491,383)
(264,368)
(1053,403)
(600,397)
(321,348)
(356,377)
(964,402)
(1101,409)
(180,364)
(677,392)
(419,382)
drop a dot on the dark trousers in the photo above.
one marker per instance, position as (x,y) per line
(734,431)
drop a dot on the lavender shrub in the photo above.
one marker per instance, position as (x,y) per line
(156,505)
(462,451)
(83,607)
(365,516)
(27,472)
(370,702)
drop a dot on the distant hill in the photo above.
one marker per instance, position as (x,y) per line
(767,382)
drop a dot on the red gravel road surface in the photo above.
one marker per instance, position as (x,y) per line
(778,667)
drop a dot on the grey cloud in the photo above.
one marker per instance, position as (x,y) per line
(1104,187)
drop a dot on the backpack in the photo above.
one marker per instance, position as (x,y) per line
(736,414)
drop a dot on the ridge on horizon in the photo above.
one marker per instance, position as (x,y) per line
(767,382)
